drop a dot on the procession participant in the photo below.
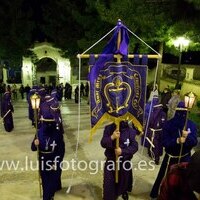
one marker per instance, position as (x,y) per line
(127,147)
(51,147)
(56,112)
(156,121)
(54,94)
(175,184)
(42,94)
(14,91)
(50,109)
(68,91)
(27,90)
(148,111)
(172,104)
(7,110)
(21,90)
(60,91)
(82,89)
(76,95)
(154,92)
(177,132)
(51,105)
(182,181)
(165,97)
(193,174)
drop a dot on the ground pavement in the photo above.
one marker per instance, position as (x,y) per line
(83,180)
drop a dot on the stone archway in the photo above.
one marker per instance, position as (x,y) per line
(42,51)
(46,71)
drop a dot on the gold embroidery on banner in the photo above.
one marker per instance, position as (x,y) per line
(117,86)
(137,96)
(98,101)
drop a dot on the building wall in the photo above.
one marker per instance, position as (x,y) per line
(43,50)
(187,86)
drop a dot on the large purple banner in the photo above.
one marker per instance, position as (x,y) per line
(117,87)
(118,91)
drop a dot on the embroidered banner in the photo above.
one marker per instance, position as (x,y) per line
(117,89)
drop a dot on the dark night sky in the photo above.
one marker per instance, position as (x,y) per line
(190,57)
(38,35)
(36,7)
(187,57)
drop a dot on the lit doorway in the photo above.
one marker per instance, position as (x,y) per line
(46,72)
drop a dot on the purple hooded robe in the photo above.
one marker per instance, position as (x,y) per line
(129,146)
(6,111)
(171,131)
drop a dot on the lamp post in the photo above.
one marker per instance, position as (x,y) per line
(35,103)
(181,43)
(189,99)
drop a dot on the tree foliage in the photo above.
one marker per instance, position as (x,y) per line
(16,26)
(155,21)
(74,26)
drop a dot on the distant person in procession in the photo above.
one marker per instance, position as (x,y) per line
(7,110)
(27,90)
(165,97)
(22,90)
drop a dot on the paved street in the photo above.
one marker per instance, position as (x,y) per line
(80,181)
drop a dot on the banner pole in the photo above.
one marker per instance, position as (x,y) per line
(150,56)
(181,149)
(117,120)
(36,128)
(116,156)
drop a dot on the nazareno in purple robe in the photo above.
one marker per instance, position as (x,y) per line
(175,184)
(171,131)
(129,146)
(6,111)
(50,109)
(51,154)
(154,132)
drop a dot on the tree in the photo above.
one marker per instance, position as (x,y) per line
(155,21)
(15,35)
(74,26)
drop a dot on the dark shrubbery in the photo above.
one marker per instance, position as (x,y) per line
(195,117)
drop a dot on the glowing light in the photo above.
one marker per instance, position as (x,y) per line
(189,99)
(181,42)
(35,101)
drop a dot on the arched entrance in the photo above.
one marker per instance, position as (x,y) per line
(48,66)
(46,71)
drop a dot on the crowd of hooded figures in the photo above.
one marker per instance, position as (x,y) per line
(168,131)
(63,91)
(167,134)
(48,140)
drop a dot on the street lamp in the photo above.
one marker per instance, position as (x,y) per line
(35,103)
(189,99)
(181,43)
